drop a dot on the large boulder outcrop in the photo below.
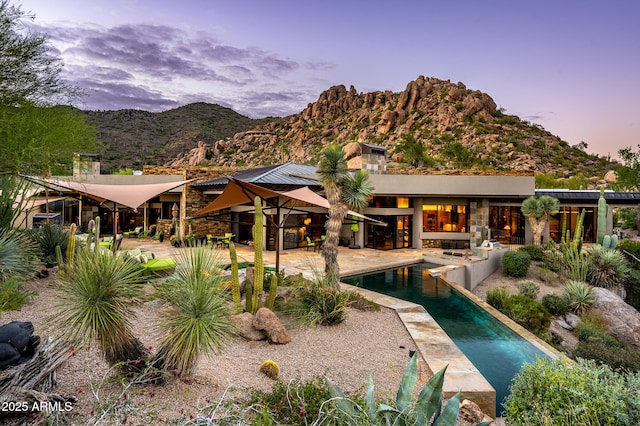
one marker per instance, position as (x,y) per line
(623,319)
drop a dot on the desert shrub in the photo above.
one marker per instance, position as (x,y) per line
(358,301)
(556,305)
(582,393)
(528,289)
(296,402)
(630,246)
(579,296)
(590,334)
(516,263)
(528,313)
(610,352)
(593,319)
(12,296)
(496,297)
(534,251)
(47,237)
(608,268)
(315,302)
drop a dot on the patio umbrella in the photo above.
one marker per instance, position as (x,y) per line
(238,192)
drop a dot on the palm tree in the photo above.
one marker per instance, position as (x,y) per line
(344,191)
(538,211)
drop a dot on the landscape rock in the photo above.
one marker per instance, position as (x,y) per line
(243,324)
(623,319)
(268,322)
(572,320)
(470,412)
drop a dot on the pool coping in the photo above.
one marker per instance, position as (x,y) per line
(438,350)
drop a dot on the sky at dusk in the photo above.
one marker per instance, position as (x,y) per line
(572,66)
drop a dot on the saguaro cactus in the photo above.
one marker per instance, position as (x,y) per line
(271,300)
(602,217)
(235,280)
(258,261)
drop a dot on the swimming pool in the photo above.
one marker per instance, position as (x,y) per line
(495,350)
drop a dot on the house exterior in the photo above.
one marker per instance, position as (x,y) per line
(448,210)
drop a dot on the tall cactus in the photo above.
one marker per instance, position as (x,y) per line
(248,290)
(271,300)
(71,245)
(602,217)
(235,280)
(258,261)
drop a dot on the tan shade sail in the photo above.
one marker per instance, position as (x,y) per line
(239,192)
(127,195)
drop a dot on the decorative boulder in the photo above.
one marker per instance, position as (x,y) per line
(268,322)
(470,412)
(17,344)
(244,327)
(623,319)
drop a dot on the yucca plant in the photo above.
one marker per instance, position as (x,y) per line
(97,297)
(427,410)
(578,295)
(196,312)
(317,302)
(16,254)
(47,237)
(608,268)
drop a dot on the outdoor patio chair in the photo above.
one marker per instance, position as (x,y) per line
(310,244)
(137,231)
(228,236)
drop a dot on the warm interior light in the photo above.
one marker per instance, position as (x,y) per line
(507,228)
(403,202)
(307,221)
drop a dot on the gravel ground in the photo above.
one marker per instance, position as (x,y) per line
(367,343)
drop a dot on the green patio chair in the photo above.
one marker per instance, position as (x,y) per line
(310,244)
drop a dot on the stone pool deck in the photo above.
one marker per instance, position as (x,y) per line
(436,348)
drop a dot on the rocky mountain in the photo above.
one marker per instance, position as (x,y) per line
(133,138)
(456,127)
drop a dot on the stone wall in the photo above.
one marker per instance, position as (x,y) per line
(193,200)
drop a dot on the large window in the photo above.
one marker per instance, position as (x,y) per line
(391,202)
(444,218)
(507,224)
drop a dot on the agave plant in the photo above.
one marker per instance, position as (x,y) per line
(196,312)
(97,297)
(427,410)
(608,268)
(578,295)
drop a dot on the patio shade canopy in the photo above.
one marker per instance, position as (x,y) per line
(131,196)
(239,192)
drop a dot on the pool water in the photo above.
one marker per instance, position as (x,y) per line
(496,350)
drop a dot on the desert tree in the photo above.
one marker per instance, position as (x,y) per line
(538,210)
(344,191)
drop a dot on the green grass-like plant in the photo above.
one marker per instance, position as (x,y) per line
(579,296)
(607,268)
(96,300)
(316,302)
(496,296)
(12,296)
(196,311)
